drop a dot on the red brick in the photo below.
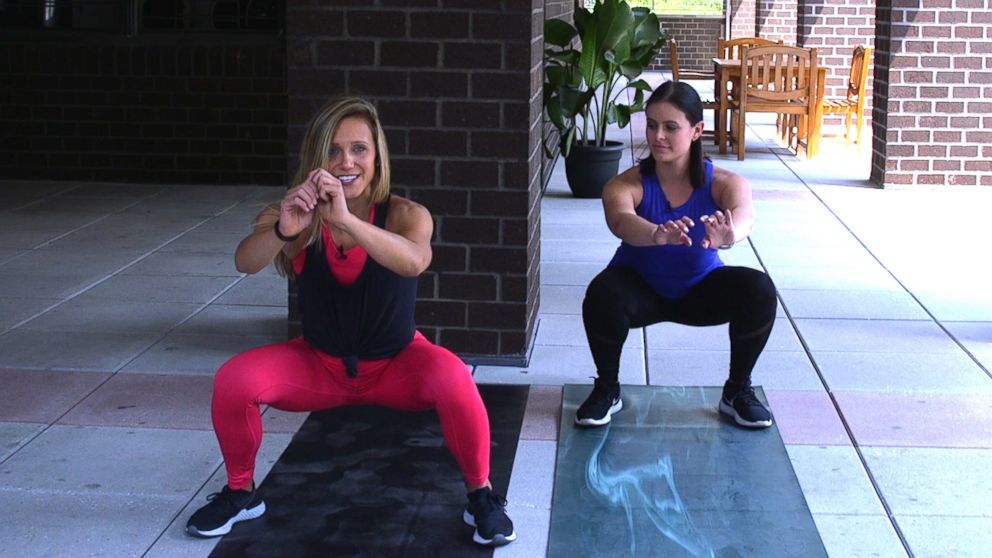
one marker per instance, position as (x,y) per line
(898,178)
(965,121)
(914,136)
(947,136)
(931,179)
(968,63)
(978,166)
(962,179)
(950,107)
(970,32)
(963,151)
(946,165)
(914,165)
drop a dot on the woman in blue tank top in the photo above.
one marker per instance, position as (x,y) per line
(672,212)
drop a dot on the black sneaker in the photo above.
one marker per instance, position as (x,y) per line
(486,511)
(601,403)
(225,508)
(745,408)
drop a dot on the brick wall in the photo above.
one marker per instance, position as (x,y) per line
(458,86)
(743,18)
(777,20)
(143,109)
(834,28)
(561,9)
(934,70)
(697,37)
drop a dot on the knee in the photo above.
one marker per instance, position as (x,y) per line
(762,291)
(233,378)
(601,294)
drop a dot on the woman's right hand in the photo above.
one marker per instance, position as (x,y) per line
(296,210)
(674,232)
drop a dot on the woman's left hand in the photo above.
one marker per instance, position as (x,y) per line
(332,205)
(719,229)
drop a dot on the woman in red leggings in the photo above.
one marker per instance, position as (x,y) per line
(355,251)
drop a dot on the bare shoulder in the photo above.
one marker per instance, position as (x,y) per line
(627,182)
(628,178)
(727,181)
(407,213)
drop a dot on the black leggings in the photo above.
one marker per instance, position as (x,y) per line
(618,299)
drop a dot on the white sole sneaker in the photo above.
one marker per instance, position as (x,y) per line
(728,410)
(243,515)
(614,409)
(498,540)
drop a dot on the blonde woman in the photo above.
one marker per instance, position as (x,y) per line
(355,251)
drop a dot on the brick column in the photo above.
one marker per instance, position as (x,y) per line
(458,86)
(697,37)
(834,28)
(743,18)
(777,20)
(933,92)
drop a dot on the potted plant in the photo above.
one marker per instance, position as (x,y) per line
(588,69)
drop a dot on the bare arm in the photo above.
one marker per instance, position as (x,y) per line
(733,222)
(260,247)
(404,246)
(294,213)
(621,196)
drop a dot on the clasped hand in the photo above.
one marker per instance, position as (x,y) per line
(321,191)
(719,230)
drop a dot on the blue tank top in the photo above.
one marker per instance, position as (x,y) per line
(672,270)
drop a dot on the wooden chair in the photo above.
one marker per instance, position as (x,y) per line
(731,48)
(853,104)
(678,74)
(778,79)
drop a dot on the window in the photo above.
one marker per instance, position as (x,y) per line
(152,16)
(675,7)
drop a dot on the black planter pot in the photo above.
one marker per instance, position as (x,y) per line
(588,167)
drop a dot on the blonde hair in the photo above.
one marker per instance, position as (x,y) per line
(316,146)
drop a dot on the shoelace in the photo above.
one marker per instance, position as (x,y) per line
(747,396)
(603,394)
(227,495)
(492,501)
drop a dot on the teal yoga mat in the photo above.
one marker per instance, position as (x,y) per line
(670,477)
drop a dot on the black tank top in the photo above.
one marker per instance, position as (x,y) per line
(370,319)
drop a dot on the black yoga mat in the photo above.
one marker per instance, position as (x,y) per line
(374,482)
(669,477)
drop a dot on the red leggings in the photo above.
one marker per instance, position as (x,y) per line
(293,376)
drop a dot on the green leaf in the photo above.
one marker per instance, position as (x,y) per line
(640,85)
(623,115)
(559,33)
(592,64)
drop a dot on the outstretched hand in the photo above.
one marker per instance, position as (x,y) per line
(674,232)
(719,229)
